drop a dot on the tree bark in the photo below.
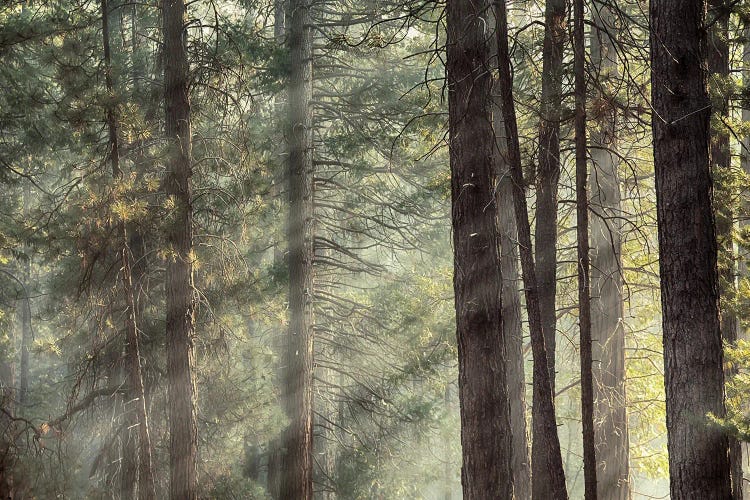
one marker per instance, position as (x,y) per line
(545,237)
(607,329)
(180,328)
(694,377)
(511,308)
(483,396)
(544,425)
(298,470)
(582,232)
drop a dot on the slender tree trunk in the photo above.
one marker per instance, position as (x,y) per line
(276,445)
(512,331)
(483,396)
(136,393)
(298,470)
(718,67)
(582,230)
(511,307)
(128,452)
(544,425)
(548,175)
(111,15)
(183,441)
(607,329)
(146,483)
(694,377)
(744,223)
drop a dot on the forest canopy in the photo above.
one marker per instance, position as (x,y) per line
(378,249)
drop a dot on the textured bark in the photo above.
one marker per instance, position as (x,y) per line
(183,439)
(582,232)
(718,67)
(298,469)
(544,425)
(511,309)
(483,396)
(694,377)
(545,237)
(607,329)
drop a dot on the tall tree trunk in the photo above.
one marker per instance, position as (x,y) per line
(582,231)
(545,238)
(183,441)
(544,425)
(744,223)
(718,67)
(135,392)
(694,377)
(276,445)
(134,452)
(483,393)
(607,329)
(298,470)
(548,173)
(511,307)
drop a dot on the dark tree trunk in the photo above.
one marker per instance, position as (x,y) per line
(545,237)
(718,67)
(511,308)
(483,396)
(183,442)
(582,230)
(607,329)
(544,425)
(693,371)
(298,469)
(548,173)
